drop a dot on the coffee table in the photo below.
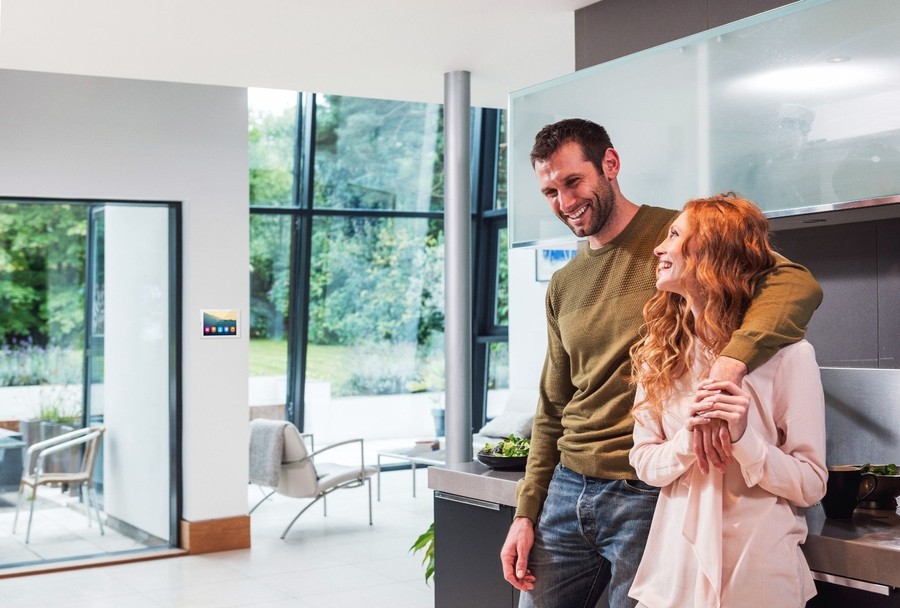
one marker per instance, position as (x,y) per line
(413,456)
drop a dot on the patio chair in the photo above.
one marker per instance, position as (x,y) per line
(34,476)
(280,460)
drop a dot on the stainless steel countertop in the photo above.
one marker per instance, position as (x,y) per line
(474,480)
(866,547)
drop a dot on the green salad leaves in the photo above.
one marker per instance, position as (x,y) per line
(880,469)
(511,446)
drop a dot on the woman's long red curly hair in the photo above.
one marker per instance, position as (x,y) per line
(726,251)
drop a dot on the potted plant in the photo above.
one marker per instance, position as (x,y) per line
(431,382)
(437,398)
(58,413)
(425,543)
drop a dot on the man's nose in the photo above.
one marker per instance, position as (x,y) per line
(567,199)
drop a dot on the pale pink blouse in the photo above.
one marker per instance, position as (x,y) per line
(733,540)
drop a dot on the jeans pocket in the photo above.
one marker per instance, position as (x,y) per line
(636,485)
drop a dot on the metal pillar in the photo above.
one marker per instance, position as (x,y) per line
(457,267)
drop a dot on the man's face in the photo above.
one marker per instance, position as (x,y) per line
(579,196)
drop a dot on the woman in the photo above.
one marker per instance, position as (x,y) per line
(723,539)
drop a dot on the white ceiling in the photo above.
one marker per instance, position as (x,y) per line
(393,49)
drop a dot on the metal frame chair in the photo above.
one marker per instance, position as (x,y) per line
(34,476)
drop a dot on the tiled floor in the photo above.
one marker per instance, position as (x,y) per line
(60,530)
(325,562)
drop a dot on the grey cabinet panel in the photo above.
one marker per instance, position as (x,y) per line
(614,28)
(467,542)
(835,596)
(844,330)
(726,11)
(888,237)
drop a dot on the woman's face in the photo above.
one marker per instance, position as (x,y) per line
(670,268)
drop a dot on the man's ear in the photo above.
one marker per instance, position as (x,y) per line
(611,163)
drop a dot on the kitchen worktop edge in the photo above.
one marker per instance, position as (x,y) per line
(866,547)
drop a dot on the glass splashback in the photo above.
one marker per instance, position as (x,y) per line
(795,108)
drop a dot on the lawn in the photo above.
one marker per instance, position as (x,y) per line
(330,363)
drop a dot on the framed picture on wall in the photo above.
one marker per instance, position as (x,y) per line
(220,323)
(548,261)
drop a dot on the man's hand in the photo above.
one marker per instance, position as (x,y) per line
(514,554)
(712,442)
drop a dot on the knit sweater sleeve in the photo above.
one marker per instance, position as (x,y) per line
(782,305)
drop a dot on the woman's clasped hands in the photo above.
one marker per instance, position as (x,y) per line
(720,400)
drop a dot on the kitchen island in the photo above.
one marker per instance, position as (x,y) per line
(853,560)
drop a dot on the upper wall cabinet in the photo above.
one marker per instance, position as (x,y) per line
(797,109)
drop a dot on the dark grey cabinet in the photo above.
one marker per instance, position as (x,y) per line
(468,535)
(838,596)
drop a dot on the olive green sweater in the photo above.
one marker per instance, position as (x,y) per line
(594,314)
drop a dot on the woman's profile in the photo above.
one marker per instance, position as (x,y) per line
(723,539)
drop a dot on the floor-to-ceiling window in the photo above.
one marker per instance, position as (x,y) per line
(347,263)
(88,337)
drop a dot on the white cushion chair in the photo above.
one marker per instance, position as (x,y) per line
(280,460)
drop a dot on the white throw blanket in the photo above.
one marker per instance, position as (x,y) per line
(266,451)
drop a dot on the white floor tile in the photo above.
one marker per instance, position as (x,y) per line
(337,561)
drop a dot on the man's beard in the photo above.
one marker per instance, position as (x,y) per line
(601,209)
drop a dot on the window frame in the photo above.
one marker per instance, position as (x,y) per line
(487,222)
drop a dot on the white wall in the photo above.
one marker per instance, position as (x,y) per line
(527,322)
(84,137)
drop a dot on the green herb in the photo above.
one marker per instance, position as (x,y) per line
(880,469)
(510,447)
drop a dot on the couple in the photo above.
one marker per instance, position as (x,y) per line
(729,423)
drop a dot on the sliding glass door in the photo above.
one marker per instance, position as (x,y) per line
(88,336)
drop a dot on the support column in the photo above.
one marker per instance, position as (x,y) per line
(457,267)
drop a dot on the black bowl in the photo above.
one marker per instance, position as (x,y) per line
(885,494)
(504,463)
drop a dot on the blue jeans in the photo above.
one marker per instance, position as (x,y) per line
(591,533)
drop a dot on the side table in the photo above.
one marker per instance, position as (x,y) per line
(413,456)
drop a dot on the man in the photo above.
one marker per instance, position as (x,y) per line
(582,516)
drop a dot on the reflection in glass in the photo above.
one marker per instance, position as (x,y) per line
(378,154)
(272,144)
(270,254)
(501,307)
(815,124)
(42,257)
(795,108)
(376,310)
(502,153)
(498,377)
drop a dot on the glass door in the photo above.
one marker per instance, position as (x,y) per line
(94,317)
(88,336)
